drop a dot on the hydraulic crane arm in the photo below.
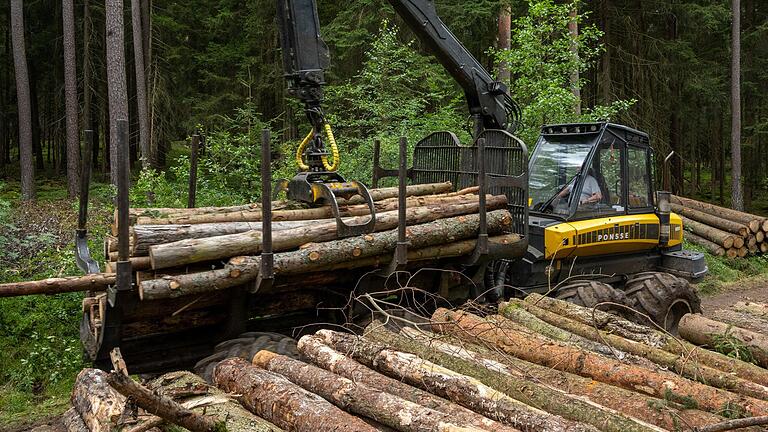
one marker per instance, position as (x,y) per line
(489,102)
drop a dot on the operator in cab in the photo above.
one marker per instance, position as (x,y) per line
(590,192)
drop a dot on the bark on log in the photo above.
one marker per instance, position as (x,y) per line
(137,263)
(713,248)
(319,353)
(72,421)
(752,308)
(711,220)
(752,221)
(250,242)
(99,405)
(516,385)
(281,402)
(633,405)
(92,282)
(679,364)
(741,319)
(322,255)
(162,406)
(651,337)
(359,398)
(311,213)
(735,424)
(556,355)
(209,400)
(712,234)
(701,330)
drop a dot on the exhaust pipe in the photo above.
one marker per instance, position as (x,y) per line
(663,211)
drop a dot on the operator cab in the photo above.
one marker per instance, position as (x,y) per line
(590,170)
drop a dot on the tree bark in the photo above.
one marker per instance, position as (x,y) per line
(737,197)
(161,406)
(72,421)
(545,352)
(99,405)
(713,248)
(87,77)
(573,31)
(313,348)
(752,221)
(70,94)
(319,256)
(504,38)
(141,83)
(679,364)
(23,101)
(725,239)
(281,402)
(250,242)
(713,221)
(638,333)
(359,398)
(701,330)
(116,78)
(58,285)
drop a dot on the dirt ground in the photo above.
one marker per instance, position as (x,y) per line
(753,289)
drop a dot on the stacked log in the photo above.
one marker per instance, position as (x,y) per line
(722,231)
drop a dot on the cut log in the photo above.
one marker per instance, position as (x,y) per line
(732,253)
(99,405)
(250,243)
(192,392)
(137,263)
(314,348)
(711,220)
(764,247)
(624,402)
(712,234)
(752,221)
(751,241)
(545,352)
(752,308)
(516,385)
(743,252)
(679,364)
(322,255)
(638,333)
(311,213)
(72,421)
(92,282)
(359,398)
(760,236)
(713,248)
(739,243)
(753,249)
(281,402)
(741,319)
(701,330)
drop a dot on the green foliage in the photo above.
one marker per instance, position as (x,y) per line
(724,271)
(732,347)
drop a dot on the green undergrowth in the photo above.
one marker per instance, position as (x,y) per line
(725,272)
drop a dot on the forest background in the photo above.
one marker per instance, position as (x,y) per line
(214,66)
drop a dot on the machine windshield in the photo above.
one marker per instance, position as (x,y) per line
(553,169)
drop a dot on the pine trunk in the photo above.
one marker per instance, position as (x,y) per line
(23,101)
(737,197)
(701,330)
(726,240)
(99,405)
(752,221)
(713,248)
(116,79)
(281,402)
(713,221)
(98,281)
(70,94)
(72,421)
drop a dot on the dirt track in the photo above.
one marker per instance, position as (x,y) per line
(753,289)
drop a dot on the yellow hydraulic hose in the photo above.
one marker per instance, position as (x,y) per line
(300,151)
(334,151)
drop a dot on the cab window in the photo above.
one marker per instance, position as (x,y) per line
(639,180)
(602,188)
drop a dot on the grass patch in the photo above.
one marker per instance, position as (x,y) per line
(724,271)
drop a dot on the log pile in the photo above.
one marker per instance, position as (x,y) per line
(722,231)
(459,371)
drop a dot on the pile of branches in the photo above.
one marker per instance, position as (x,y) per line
(537,364)
(722,231)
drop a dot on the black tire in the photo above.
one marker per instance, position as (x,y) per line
(245,347)
(663,297)
(589,293)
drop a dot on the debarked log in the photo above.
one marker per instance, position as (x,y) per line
(95,282)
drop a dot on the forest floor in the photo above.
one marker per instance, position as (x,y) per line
(40,352)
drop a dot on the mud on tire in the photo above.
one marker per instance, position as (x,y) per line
(589,293)
(663,297)
(246,346)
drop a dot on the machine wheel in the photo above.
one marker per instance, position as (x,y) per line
(246,346)
(588,293)
(664,297)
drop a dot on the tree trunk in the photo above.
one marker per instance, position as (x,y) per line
(701,330)
(99,405)
(651,337)
(318,256)
(573,31)
(713,248)
(281,402)
(116,79)
(752,221)
(313,348)
(504,38)
(737,198)
(161,406)
(712,234)
(679,364)
(57,285)
(741,319)
(358,398)
(141,83)
(70,93)
(536,349)
(713,221)
(72,421)
(250,242)
(23,101)
(87,77)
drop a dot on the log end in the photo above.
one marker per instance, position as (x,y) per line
(262,358)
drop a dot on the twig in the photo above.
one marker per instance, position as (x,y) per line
(734,424)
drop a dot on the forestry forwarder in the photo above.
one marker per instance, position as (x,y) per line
(616,242)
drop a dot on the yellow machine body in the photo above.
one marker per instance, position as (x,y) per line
(609,235)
